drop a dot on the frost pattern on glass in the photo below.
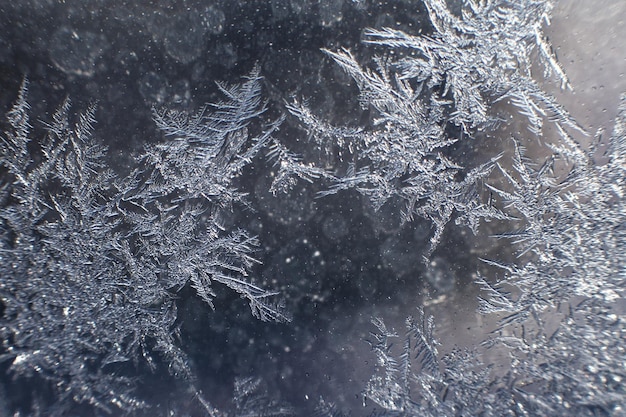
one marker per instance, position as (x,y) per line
(414,381)
(91,263)
(570,274)
(72,311)
(481,56)
(177,197)
(402,155)
(573,234)
(423,85)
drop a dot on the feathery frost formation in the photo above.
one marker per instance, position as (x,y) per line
(91,264)
(574,229)
(422,87)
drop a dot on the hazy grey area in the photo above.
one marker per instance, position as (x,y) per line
(589,38)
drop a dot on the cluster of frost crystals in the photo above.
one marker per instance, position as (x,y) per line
(91,263)
(451,77)
(176,199)
(72,314)
(413,380)
(402,156)
(480,56)
(560,309)
(573,231)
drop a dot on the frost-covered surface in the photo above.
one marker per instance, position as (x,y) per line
(575,230)
(259,255)
(92,264)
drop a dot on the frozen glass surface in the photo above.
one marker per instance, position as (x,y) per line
(312,208)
